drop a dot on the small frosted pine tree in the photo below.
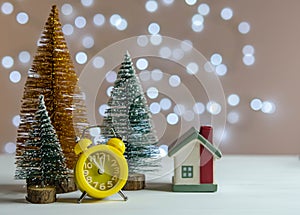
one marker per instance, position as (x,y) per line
(128,114)
(43,161)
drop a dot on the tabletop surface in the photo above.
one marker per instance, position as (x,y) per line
(247,185)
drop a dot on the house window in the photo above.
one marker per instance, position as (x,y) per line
(187,171)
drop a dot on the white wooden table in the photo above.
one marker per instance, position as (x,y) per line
(247,185)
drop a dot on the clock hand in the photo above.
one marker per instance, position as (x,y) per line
(100,167)
(102,162)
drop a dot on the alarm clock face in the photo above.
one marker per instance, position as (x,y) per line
(101,171)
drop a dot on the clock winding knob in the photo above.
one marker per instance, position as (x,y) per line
(117,143)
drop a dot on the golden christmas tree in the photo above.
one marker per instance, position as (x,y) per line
(52,74)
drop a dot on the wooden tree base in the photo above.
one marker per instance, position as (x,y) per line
(62,186)
(66,186)
(135,181)
(41,195)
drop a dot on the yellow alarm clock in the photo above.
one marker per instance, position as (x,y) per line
(101,170)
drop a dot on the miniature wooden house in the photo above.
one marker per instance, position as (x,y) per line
(193,161)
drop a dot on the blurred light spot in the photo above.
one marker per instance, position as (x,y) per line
(108,91)
(88,42)
(145,75)
(190,2)
(248,50)
(156,39)
(154,108)
(142,40)
(226,13)
(163,150)
(68,29)
(111,76)
(233,100)
(216,59)
(186,45)
(208,67)
(197,28)
(10,148)
(24,57)
(244,27)
(95,131)
(199,108)
(66,9)
(98,62)
(152,93)
(178,54)
(102,109)
(87,3)
(248,60)
(172,119)
(22,18)
(142,64)
(192,68)
(80,22)
(15,76)
(213,107)
(81,57)
(7,62)
(233,117)
(115,19)
(221,69)
(7,8)
(268,107)
(99,19)
(168,2)
(203,9)
(151,6)
(16,120)
(256,104)
(165,104)
(153,28)
(156,75)
(188,116)
(122,25)
(174,81)
(165,52)
(179,109)
(197,20)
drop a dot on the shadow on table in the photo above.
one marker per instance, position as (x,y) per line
(164,187)
(86,200)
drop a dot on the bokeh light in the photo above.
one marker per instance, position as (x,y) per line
(102,109)
(172,119)
(81,57)
(7,8)
(151,6)
(22,18)
(67,9)
(15,76)
(226,13)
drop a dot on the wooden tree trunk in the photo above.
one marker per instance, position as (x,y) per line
(41,195)
(135,181)
(62,186)
(66,185)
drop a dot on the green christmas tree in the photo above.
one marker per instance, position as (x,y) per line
(128,114)
(43,161)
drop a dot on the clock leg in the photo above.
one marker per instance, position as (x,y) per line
(83,195)
(122,194)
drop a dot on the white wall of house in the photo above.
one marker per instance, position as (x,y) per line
(187,156)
